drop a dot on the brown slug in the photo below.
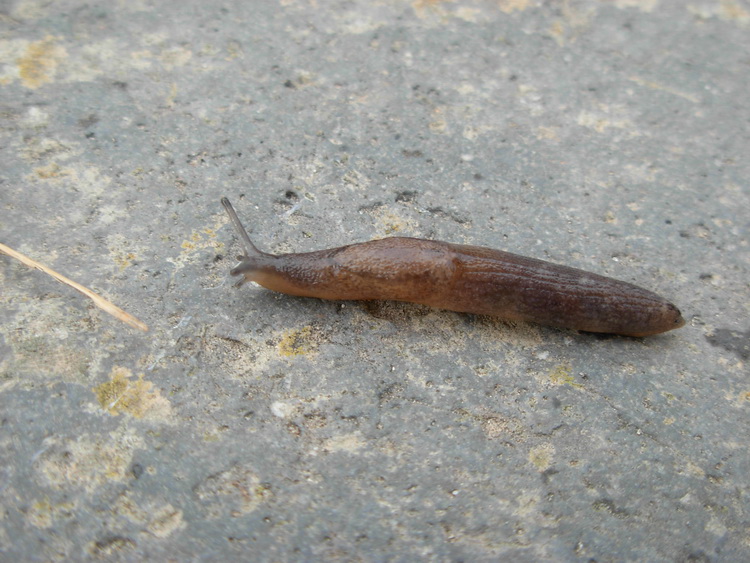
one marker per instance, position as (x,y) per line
(457,277)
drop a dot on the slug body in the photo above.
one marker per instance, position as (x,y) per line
(463,278)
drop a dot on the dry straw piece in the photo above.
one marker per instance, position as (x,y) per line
(98,300)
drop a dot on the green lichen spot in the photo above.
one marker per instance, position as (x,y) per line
(124,394)
(561,375)
(298,342)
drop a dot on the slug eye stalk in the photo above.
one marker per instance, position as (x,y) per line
(250,249)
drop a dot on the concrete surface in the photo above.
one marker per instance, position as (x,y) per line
(611,136)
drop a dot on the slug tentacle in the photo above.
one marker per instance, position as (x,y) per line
(250,248)
(468,279)
(253,259)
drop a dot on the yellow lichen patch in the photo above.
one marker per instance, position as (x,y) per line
(643,5)
(175,57)
(38,64)
(733,10)
(561,375)
(199,240)
(497,426)
(509,6)
(739,399)
(88,180)
(547,133)
(422,8)
(390,223)
(88,462)
(40,356)
(124,395)
(122,251)
(39,149)
(439,123)
(557,32)
(541,456)
(124,260)
(297,342)
(159,519)
(347,443)
(236,491)
(50,171)
(165,521)
(203,238)
(42,513)
(610,217)
(108,548)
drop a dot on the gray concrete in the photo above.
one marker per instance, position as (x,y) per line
(611,136)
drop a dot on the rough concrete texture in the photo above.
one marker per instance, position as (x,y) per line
(607,135)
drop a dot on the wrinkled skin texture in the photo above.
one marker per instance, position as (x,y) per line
(467,279)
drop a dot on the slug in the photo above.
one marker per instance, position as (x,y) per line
(463,278)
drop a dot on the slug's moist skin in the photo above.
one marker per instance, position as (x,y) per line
(463,278)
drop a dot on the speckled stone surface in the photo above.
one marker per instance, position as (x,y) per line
(611,136)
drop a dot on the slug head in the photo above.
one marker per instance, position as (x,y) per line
(253,262)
